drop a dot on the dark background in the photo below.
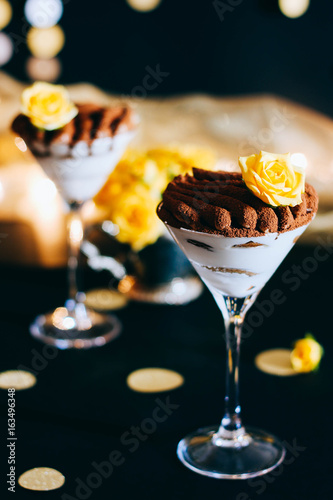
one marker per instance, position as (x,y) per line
(81,405)
(254,49)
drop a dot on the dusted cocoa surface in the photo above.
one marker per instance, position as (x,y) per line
(92,122)
(220,203)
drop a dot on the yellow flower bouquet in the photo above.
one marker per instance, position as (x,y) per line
(134,189)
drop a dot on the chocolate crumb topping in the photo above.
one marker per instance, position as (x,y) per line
(92,122)
(220,203)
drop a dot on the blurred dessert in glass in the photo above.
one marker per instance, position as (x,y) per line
(78,146)
(77,155)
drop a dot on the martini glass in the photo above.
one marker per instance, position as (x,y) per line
(78,178)
(234,269)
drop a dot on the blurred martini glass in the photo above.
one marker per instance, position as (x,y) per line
(78,158)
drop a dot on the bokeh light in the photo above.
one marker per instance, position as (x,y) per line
(42,191)
(46,70)
(5,13)
(43,13)
(294,8)
(144,5)
(45,43)
(20,144)
(6,49)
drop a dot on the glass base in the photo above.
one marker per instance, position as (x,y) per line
(204,453)
(179,291)
(75,326)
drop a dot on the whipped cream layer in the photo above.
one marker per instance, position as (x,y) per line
(80,176)
(235,266)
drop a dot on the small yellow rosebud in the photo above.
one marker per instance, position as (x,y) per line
(273,178)
(48,106)
(306,354)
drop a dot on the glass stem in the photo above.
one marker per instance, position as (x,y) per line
(75,236)
(231,431)
(232,411)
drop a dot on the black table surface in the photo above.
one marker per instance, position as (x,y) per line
(81,409)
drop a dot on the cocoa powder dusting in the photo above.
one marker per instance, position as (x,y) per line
(220,203)
(92,122)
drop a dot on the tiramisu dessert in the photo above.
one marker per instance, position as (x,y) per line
(77,145)
(236,228)
(234,240)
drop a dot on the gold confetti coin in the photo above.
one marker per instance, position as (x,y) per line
(17,379)
(41,479)
(154,380)
(275,362)
(103,299)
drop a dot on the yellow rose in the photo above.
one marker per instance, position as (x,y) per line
(306,354)
(273,178)
(48,106)
(134,212)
